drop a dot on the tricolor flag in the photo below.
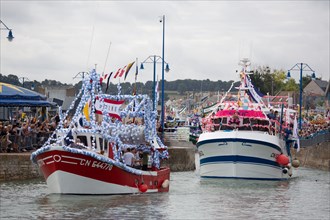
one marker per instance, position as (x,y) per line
(295,133)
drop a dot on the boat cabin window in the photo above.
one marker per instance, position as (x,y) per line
(101,143)
(83,139)
(105,145)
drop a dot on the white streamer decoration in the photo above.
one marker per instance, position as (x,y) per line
(121,135)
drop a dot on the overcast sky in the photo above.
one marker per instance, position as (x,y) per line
(203,39)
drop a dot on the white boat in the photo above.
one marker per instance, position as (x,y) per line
(94,164)
(251,148)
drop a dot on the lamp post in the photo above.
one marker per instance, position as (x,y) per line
(163,95)
(24,79)
(154,59)
(10,33)
(301,67)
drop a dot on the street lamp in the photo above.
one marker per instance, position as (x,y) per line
(154,59)
(10,33)
(301,67)
(162,20)
(24,79)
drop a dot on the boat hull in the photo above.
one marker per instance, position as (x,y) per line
(240,154)
(79,173)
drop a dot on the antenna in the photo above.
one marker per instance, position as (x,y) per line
(106,59)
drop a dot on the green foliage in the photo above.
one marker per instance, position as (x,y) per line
(291,85)
(264,79)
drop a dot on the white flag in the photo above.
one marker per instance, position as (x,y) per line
(157,90)
(295,133)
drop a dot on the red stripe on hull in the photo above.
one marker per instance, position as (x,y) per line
(83,165)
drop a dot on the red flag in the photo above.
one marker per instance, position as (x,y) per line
(117,73)
(122,71)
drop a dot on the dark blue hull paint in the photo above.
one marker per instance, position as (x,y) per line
(250,141)
(239,159)
(245,178)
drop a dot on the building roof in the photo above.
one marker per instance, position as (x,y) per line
(322,84)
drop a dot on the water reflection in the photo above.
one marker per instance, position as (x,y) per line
(130,206)
(304,197)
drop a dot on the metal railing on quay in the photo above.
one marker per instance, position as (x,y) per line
(22,143)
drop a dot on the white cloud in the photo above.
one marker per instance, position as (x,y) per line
(203,40)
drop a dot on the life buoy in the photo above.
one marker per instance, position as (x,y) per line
(143,187)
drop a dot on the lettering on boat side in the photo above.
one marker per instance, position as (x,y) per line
(222,143)
(74,161)
(201,153)
(102,165)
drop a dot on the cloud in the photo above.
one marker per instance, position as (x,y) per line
(203,40)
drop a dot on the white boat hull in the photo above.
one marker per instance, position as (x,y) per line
(72,171)
(61,182)
(240,154)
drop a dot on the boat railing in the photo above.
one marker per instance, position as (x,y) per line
(242,123)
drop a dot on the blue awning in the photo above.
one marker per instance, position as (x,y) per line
(12,95)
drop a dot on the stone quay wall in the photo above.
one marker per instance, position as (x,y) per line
(317,157)
(17,166)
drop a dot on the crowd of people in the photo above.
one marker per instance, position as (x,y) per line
(23,133)
(313,123)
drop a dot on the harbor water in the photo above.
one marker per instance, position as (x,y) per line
(306,196)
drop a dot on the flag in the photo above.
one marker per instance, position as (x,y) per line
(106,89)
(204,98)
(103,77)
(157,90)
(122,71)
(86,111)
(68,138)
(136,72)
(117,73)
(112,107)
(295,133)
(129,66)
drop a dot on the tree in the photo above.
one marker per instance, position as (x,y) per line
(291,85)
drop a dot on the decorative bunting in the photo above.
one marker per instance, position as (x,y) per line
(106,89)
(129,66)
